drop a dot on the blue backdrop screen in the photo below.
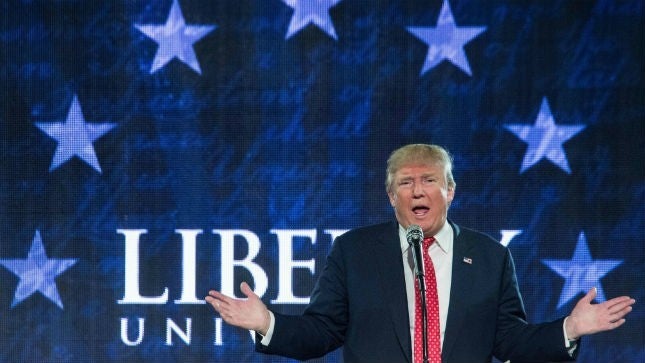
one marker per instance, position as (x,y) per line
(153,150)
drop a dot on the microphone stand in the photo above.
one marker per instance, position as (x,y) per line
(418,271)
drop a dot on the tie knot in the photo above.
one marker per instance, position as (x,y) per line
(427,241)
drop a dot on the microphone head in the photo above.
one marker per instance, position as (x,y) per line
(414,234)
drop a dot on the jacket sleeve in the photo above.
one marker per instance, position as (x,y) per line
(321,328)
(517,340)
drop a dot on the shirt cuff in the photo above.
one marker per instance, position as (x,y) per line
(570,344)
(266,339)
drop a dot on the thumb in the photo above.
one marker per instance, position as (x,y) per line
(590,295)
(247,291)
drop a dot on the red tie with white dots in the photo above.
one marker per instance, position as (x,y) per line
(432,303)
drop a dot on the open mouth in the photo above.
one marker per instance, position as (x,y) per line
(420,210)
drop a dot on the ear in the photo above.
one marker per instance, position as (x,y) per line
(451,194)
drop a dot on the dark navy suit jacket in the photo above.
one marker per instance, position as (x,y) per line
(360,303)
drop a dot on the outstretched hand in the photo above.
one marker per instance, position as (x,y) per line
(250,313)
(587,318)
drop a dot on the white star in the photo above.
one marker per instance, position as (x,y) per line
(175,39)
(545,139)
(581,272)
(311,11)
(37,273)
(75,137)
(446,41)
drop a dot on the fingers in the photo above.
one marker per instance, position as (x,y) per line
(616,310)
(219,301)
(620,314)
(612,325)
(244,287)
(248,313)
(618,323)
(618,303)
(218,295)
(618,307)
(214,302)
(223,302)
(587,318)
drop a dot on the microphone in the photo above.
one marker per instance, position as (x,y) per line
(414,235)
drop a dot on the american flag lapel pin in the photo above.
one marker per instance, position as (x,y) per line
(468,260)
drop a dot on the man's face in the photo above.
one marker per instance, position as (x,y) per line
(420,195)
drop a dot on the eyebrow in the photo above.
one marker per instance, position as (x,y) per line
(426,175)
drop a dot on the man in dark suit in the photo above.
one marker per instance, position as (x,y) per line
(364,299)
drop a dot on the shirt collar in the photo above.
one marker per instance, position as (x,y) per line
(443,239)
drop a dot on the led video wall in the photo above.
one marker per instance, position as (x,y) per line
(153,150)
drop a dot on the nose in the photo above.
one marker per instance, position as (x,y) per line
(417,190)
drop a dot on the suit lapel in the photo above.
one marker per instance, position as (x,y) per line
(388,256)
(460,290)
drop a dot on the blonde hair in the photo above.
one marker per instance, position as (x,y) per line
(419,154)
